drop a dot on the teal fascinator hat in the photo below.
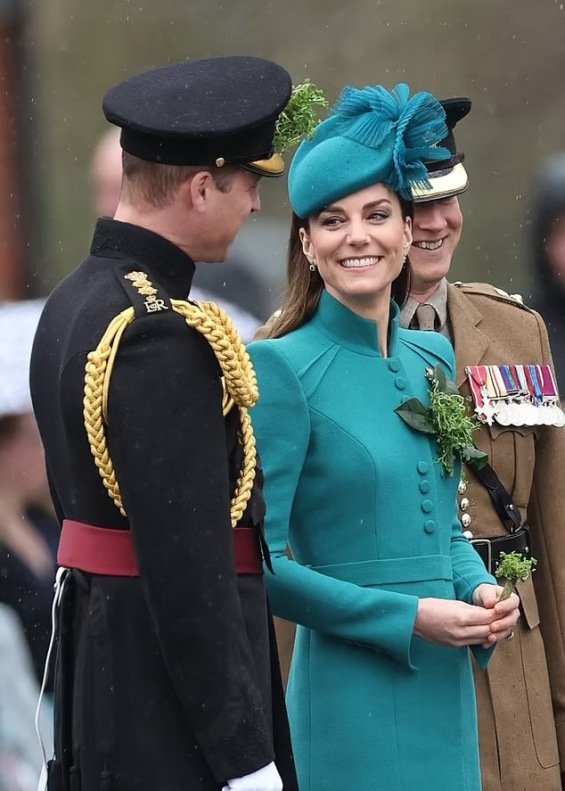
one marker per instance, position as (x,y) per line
(371,136)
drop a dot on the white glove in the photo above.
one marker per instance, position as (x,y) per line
(265,779)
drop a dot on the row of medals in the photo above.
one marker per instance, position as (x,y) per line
(516,409)
(525,413)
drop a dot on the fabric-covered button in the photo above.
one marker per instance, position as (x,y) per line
(427,506)
(429,526)
(394,365)
(400,382)
(424,487)
(423,467)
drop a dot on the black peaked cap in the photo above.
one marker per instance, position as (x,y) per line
(204,112)
(455,109)
(447,177)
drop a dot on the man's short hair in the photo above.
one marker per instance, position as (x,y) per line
(155,184)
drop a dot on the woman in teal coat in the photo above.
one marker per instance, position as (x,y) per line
(388,593)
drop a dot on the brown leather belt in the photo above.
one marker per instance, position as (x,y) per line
(490,548)
(106,551)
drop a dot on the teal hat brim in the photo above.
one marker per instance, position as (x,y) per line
(328,170)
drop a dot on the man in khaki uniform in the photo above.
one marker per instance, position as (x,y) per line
(521,733)
(521,698)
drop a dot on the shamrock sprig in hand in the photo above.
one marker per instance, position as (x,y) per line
(513,567)
(447,417)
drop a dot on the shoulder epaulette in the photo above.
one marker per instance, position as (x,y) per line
(145,296)
(491,292)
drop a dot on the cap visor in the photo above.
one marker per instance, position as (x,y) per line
(443,184)
(271,168)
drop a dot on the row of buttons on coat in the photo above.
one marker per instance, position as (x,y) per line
(426,505)
(394,367)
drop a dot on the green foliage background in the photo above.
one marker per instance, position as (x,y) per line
(507,55)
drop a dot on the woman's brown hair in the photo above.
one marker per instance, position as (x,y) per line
(304,287)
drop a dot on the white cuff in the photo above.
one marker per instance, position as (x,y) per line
(265,779)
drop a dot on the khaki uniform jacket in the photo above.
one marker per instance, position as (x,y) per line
(521,733)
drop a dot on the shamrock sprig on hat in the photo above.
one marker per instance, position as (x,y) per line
(446,417)
(300,118)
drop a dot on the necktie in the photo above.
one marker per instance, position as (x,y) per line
(426,316)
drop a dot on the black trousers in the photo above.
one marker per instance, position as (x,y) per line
(118,723)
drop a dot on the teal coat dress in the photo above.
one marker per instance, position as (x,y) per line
(371,521)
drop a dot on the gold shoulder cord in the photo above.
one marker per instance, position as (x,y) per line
(239,381)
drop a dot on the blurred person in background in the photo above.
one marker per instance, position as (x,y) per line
(20,754)
(106,173)
(521,696)
(233,287)
(29,532)
(547,237)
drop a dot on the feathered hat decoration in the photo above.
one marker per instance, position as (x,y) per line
(371,136)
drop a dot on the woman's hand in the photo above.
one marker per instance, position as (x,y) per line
(454,623)
(506,612)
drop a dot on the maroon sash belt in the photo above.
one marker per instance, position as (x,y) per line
(102,550)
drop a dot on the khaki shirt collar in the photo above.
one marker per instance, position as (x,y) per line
(438,300)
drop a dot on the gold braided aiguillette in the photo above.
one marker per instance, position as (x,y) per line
(239,382)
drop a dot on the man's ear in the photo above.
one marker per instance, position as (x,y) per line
(199,189)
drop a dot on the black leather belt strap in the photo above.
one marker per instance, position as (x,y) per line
(518,538)
(503,503)
(490,548)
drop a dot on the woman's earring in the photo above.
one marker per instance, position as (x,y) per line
(312,266)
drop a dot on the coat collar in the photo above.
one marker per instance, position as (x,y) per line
(469,341)
(352,331)
(438,300)
(173,269)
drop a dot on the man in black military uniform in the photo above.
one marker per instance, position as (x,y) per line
(165,679)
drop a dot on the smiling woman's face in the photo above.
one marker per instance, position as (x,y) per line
(358,245)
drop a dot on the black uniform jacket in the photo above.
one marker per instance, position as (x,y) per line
(163,681)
